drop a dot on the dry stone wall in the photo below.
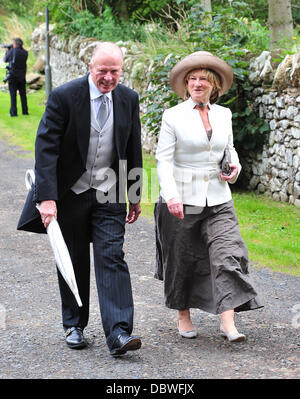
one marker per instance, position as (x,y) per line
(275,171)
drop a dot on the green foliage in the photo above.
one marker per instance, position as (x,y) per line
(16,6)
(232,36)
(84,23)
(159,94)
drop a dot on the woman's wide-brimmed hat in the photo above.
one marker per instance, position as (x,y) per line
(199,60)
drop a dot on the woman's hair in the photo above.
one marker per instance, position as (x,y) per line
(212,77)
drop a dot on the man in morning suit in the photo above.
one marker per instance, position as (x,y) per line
(89,134)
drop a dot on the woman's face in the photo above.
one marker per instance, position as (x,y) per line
(198,86)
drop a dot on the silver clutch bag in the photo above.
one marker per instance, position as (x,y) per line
(225,163)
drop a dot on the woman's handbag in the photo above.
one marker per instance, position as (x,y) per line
(225,163)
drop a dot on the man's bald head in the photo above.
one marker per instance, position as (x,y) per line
(108,48)
(106,66)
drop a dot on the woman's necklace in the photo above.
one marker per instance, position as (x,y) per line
(201,105)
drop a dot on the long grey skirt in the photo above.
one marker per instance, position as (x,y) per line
(203,259)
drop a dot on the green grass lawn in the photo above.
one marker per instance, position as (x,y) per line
(270,229)
(21,130)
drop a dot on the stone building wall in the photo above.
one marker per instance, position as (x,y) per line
(274,171)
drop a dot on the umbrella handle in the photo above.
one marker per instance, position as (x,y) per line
(29,178)
(29,181)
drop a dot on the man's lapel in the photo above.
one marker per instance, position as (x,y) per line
(120,118)
(82,110)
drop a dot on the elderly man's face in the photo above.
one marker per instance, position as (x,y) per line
(106,70)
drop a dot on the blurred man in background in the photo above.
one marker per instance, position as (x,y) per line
(16,55)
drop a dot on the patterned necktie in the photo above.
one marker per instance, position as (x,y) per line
(103,112)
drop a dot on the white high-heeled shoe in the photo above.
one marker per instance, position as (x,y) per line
(232,337)
(188,334)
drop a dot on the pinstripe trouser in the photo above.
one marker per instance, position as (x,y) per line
(83,220)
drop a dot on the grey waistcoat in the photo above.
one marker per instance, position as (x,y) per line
(100,157)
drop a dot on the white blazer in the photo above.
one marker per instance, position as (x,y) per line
(188,164)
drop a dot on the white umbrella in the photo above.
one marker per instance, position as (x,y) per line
(58,245)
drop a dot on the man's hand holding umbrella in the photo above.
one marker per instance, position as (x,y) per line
(48,210)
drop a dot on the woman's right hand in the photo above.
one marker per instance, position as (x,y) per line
(175,207)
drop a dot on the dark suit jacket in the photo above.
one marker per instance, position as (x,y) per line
(63,138)
(17,58)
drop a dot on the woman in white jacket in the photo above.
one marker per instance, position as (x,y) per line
(200,253)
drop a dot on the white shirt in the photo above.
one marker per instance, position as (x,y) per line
(96,98)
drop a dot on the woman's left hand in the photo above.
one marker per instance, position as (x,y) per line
(233,174)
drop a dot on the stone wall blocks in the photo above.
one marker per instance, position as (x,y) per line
(273,124)
(268,99)
(276,197)
(290,188)
(294,143)
(261,188)
(264,179)
(279,137)
(274,172)
(296,192)
(284,124)
(258,91)
(288,156)
(296,162)
(291,112)
(261,111)
(297,202)
(282,114)
(272,139)
(281,78)
(269,115)
(283,196)
(261,69)
(292,199)
(85,53)
(283,174)
(275,184)
(295,70)
(280,103)
(254,182)
(295,132)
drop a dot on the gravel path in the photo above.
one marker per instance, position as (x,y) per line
(32,344)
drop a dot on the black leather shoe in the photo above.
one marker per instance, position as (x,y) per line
(123,343)
(74,338)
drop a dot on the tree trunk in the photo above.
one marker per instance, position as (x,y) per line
(280,22)
(206,4)
(123,12)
